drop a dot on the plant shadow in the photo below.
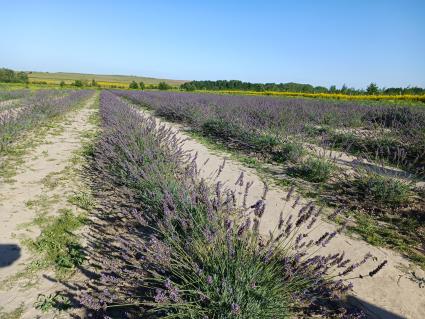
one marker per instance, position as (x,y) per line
(9,253)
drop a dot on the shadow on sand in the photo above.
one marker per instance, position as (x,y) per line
(9,253)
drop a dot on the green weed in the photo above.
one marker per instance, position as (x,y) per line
(52,302)
(82,200)
(57,245)
(317,170)
(289,151)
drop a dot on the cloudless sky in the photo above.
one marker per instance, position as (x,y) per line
(309,41)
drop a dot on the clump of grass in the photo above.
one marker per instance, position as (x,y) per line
(83,200)
(57,245)
(317,170)
(382,189)
(289,151)
(53,302)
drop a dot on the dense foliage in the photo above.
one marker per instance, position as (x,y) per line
(10,76)
(185,249)
(239,85)
(133,85)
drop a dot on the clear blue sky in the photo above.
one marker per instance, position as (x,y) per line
(319,42)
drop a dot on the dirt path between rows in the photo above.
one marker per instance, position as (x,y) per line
(42,186)
(390,294)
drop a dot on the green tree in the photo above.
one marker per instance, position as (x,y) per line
(93,82)
(142,85)
(62,84)
(188,87)
(372,89)
(133,85)
(22,77)
(163,86)
(78,83)
(7,75)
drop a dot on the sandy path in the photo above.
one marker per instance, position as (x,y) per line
(50,158)
(390,294)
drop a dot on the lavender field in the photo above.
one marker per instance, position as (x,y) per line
(394,134)
(212,160)
(181,205)
(368,160)
(187,249)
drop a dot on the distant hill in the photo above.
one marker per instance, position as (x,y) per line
(57,77)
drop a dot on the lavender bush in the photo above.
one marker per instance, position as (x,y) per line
(186,249)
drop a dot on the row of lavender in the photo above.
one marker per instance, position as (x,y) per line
(13,94)
(33,110)
(265,125)
(185,249)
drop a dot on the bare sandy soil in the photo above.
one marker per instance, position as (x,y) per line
(30,195)
(390,294)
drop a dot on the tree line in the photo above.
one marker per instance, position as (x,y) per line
(141,86)
(295,87)
(10,76)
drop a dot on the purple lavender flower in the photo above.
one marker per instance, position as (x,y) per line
(236,310)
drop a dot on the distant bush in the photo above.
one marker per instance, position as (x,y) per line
(10,76)
(315,170)
(163,86)
(78,83)
(133,85)
(62,84)
(141,85)
(189,87)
